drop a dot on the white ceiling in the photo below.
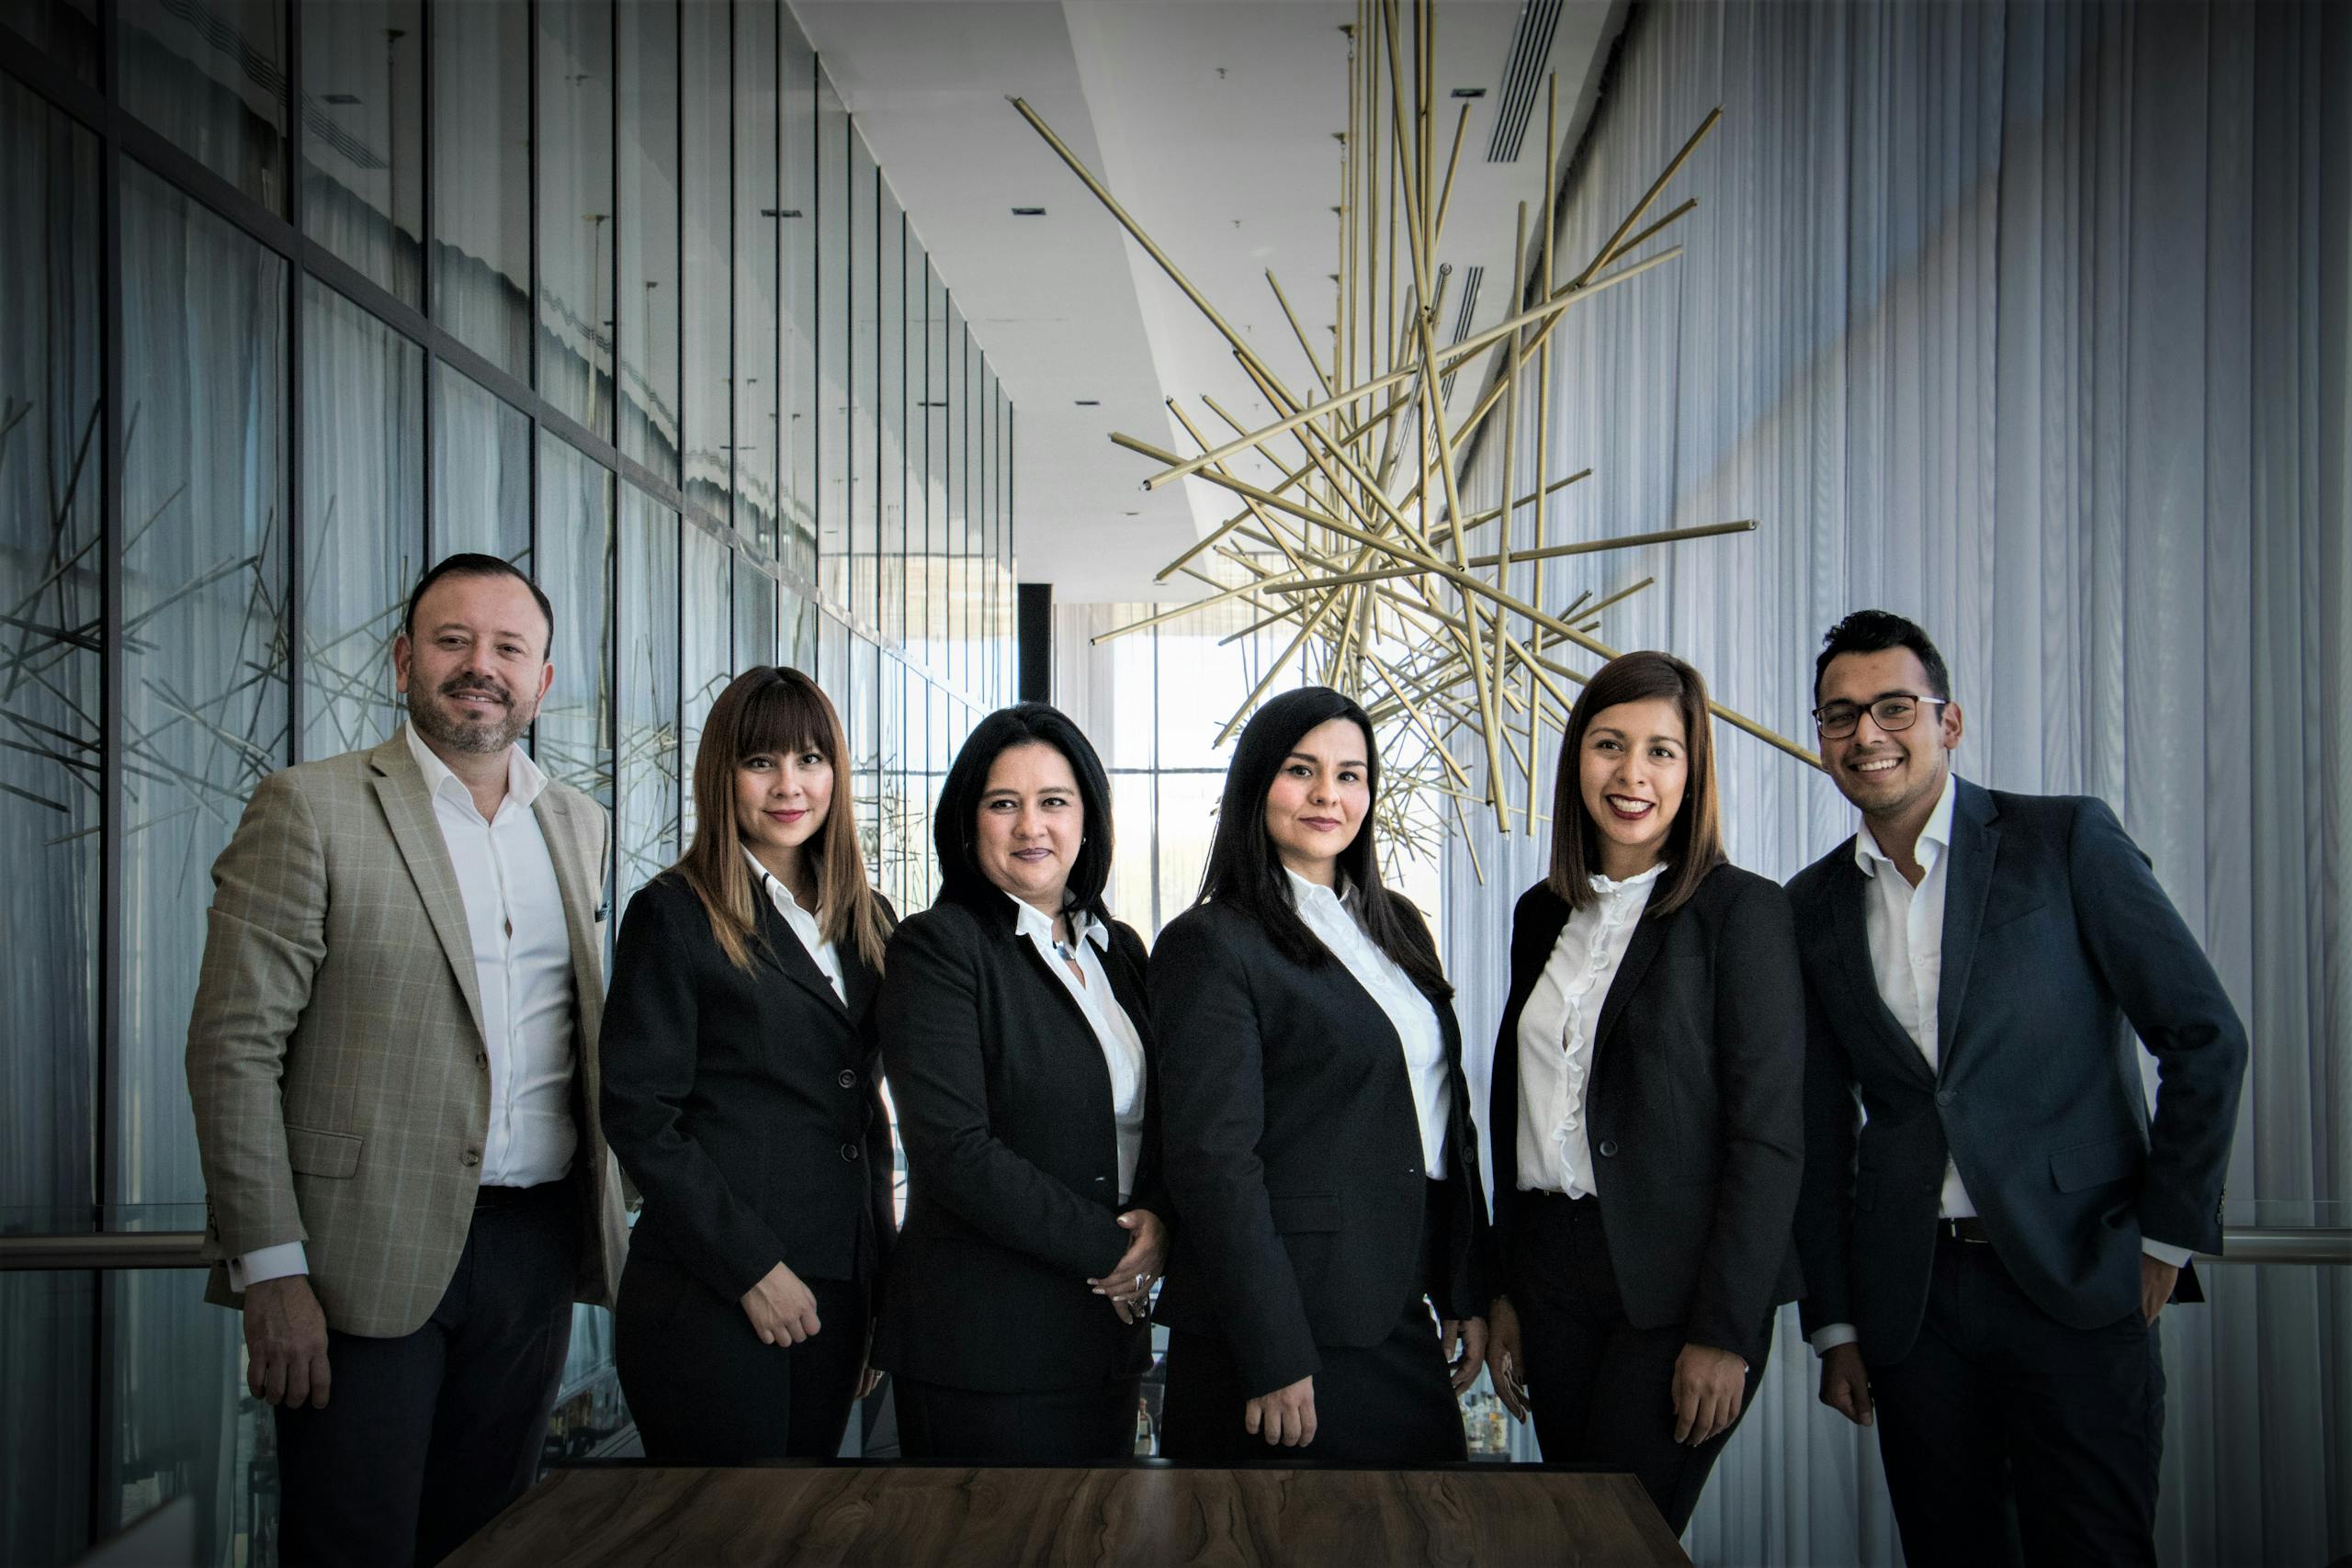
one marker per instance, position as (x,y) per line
(1213,122)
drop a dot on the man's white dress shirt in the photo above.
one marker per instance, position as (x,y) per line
(1114,1031)
(1331,915)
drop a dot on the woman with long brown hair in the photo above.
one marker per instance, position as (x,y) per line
(741,1095)
(1646,1115)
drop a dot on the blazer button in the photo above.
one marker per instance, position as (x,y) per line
(848,1079)
(471,1156)
(849,1151)
(1945,1097)
(1608,1148)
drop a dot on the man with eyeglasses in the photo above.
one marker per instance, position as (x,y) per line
(1986,1247)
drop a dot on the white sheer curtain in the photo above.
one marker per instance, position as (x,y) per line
(2030,322)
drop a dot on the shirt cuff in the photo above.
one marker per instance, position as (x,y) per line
(1829,1336)
(267,1263)
(2165,1252)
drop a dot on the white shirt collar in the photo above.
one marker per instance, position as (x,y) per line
(525,782)
(778,894)
(1605,886)
(1032,922)
(1934,838)
(1303,889)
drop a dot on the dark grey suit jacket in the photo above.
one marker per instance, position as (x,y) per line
(2058,944)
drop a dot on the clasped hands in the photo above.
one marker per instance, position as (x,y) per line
(1128,1284)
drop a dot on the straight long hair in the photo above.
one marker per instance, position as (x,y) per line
(957,818)
(773,712)
(1694,840)
(1244,870)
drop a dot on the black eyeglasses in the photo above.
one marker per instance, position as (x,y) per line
(1895,711)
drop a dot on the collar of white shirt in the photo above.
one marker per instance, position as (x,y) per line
(1934,838)
(523,779)
(1605,886)
(1032,921)
(1305,891)
(778,894)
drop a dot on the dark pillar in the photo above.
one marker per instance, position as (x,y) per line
(1037,634)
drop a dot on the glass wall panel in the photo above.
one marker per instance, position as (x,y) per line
(705,183)
(1133,805)
(363,138)
(1183,822)
(937,445)
(481,471)
(706,646)
(67,31)
(889,801)
(757,218)
(985,458)
(755,594)
(962,428)
(648,295)
(204,718)
(50,576)
(573,738)
(482,178)
(646,826)
(798,630)
(363,518)
(890,296)
(865,393)
(213,79)
(832,344)
(863,719)
(575,196)
(797,295)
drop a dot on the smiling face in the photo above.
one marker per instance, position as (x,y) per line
(1892,776)
(1318,799)
(781,803)
(1031,822)
(477,668)
(1633,768)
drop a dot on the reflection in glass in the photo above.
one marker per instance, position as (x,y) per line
(706,187)
(646,826)
(865,394)
(204,718)
(890,618)
(796,629)
(863,719)
(648,305)
(66,30)
(1183,823)
(575,193)
(573,738)
(213,79)
(50,575)
(933,628)
(899,847)
(481,471)
(757,218)
(363,138)
(482,178)
(962,428)
(797,297)
(706,654)
(363,517)
(832,344)
(755,594)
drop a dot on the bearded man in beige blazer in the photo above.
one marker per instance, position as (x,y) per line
(392,1057)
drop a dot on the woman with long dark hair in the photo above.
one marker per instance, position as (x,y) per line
(741,1092)
(1317,1127)
(1647,1112)
(1019,1052)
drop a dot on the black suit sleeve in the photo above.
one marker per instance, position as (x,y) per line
(1824,1220)
(1759,1068)
(1212,1077)
(648,1047)
(929,1014)
(2160,976)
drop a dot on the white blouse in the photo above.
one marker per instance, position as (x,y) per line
(1331,915)
(1555,1035)
(1114,1031)
(804,925)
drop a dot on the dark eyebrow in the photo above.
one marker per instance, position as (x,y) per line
(1310,761)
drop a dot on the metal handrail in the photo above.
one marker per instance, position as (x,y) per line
(185,1249)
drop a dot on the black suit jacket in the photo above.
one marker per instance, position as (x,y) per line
(1694,1107)
(1013,1158)
(1294,1153)
(2057,944)
(745,1105)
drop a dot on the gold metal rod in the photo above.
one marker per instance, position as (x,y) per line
(1300,333)
(1610,246)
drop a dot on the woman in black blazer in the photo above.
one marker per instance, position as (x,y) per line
(1013,1028)
(740,1093)
(1317,1127)
(1647,1103)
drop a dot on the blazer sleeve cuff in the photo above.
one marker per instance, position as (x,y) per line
(2165,1252)
(279,1262)
(1829,1336)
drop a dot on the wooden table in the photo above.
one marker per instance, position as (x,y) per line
(1149,1514)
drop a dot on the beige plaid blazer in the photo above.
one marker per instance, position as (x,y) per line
(335,1054)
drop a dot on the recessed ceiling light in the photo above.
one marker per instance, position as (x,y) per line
(1469,92)
(1090,402)
(1028,212)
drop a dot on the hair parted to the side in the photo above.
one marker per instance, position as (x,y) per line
(1244,870)
(468,564)
(1875,631)
(957,818)
(1694,840)
(775,712)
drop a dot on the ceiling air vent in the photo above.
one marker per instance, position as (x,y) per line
(1530,50)
(1471,277)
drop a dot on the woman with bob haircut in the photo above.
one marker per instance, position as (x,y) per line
(1647,1107)
(741,1092)
(1013,1025)
(1319,1144)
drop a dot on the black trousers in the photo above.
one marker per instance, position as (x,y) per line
(1390,1404)
(1602,1391)
(2009,1437)
(427,1437)
(705,1390)
(1095,1424)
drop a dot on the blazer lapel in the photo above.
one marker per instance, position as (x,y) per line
(1649,935)
(1968,881)
(579,885)
(1852,941)
(781,948)
(408,808)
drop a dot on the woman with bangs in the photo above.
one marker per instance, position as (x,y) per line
(741,1095)
(1319,1146)
(1646,1111)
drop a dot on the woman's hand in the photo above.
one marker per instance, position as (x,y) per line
(781,1309)
(1470,1335)
(1709,1385)
(1505,1358)
(1129,1282)
(1285,1417)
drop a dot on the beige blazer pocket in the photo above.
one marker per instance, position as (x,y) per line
(314,1153)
